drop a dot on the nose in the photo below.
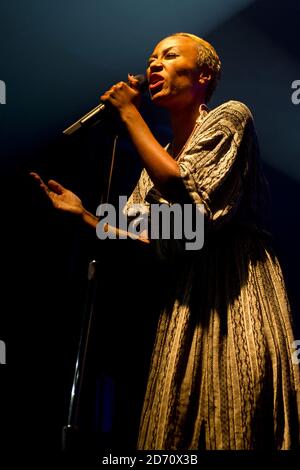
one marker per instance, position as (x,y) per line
(155,65)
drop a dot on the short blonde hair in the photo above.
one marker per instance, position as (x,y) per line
(207,56)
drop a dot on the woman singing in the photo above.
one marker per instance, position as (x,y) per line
(221,374)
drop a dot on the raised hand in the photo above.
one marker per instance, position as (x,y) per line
(65,200)
(61,198)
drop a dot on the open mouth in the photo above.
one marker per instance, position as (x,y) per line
(155,82)
(155,85)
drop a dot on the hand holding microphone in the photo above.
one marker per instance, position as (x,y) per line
(118,96)
(123,94)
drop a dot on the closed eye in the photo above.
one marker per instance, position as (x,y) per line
(167,55)
(170,55)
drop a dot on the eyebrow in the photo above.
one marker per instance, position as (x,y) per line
(164,52)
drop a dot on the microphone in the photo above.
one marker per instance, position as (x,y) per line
(96,114)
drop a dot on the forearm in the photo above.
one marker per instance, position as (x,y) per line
(89,219)
(92,221)
(161,167)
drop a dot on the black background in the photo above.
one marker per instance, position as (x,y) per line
(52,77)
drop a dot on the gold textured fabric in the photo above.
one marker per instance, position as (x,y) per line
(221,374)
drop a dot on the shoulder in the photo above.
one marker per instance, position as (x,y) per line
(232,109)
(231,116)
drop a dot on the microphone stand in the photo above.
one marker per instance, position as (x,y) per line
(71,431)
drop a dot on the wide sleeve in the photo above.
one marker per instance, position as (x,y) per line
(216,162)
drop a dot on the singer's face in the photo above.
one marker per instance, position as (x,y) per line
(173,73)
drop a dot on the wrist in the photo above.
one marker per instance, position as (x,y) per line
(89,218)
(128,112)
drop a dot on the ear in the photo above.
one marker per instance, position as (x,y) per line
(204,77)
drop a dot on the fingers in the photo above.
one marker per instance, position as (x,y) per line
(112,93)
(56,187)
(36,177)
(52,185)
(133,82)
(40,181)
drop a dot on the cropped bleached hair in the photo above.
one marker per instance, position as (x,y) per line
(208,57)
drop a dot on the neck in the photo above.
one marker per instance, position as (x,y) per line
(183,122)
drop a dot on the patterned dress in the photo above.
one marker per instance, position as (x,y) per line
(221,374)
